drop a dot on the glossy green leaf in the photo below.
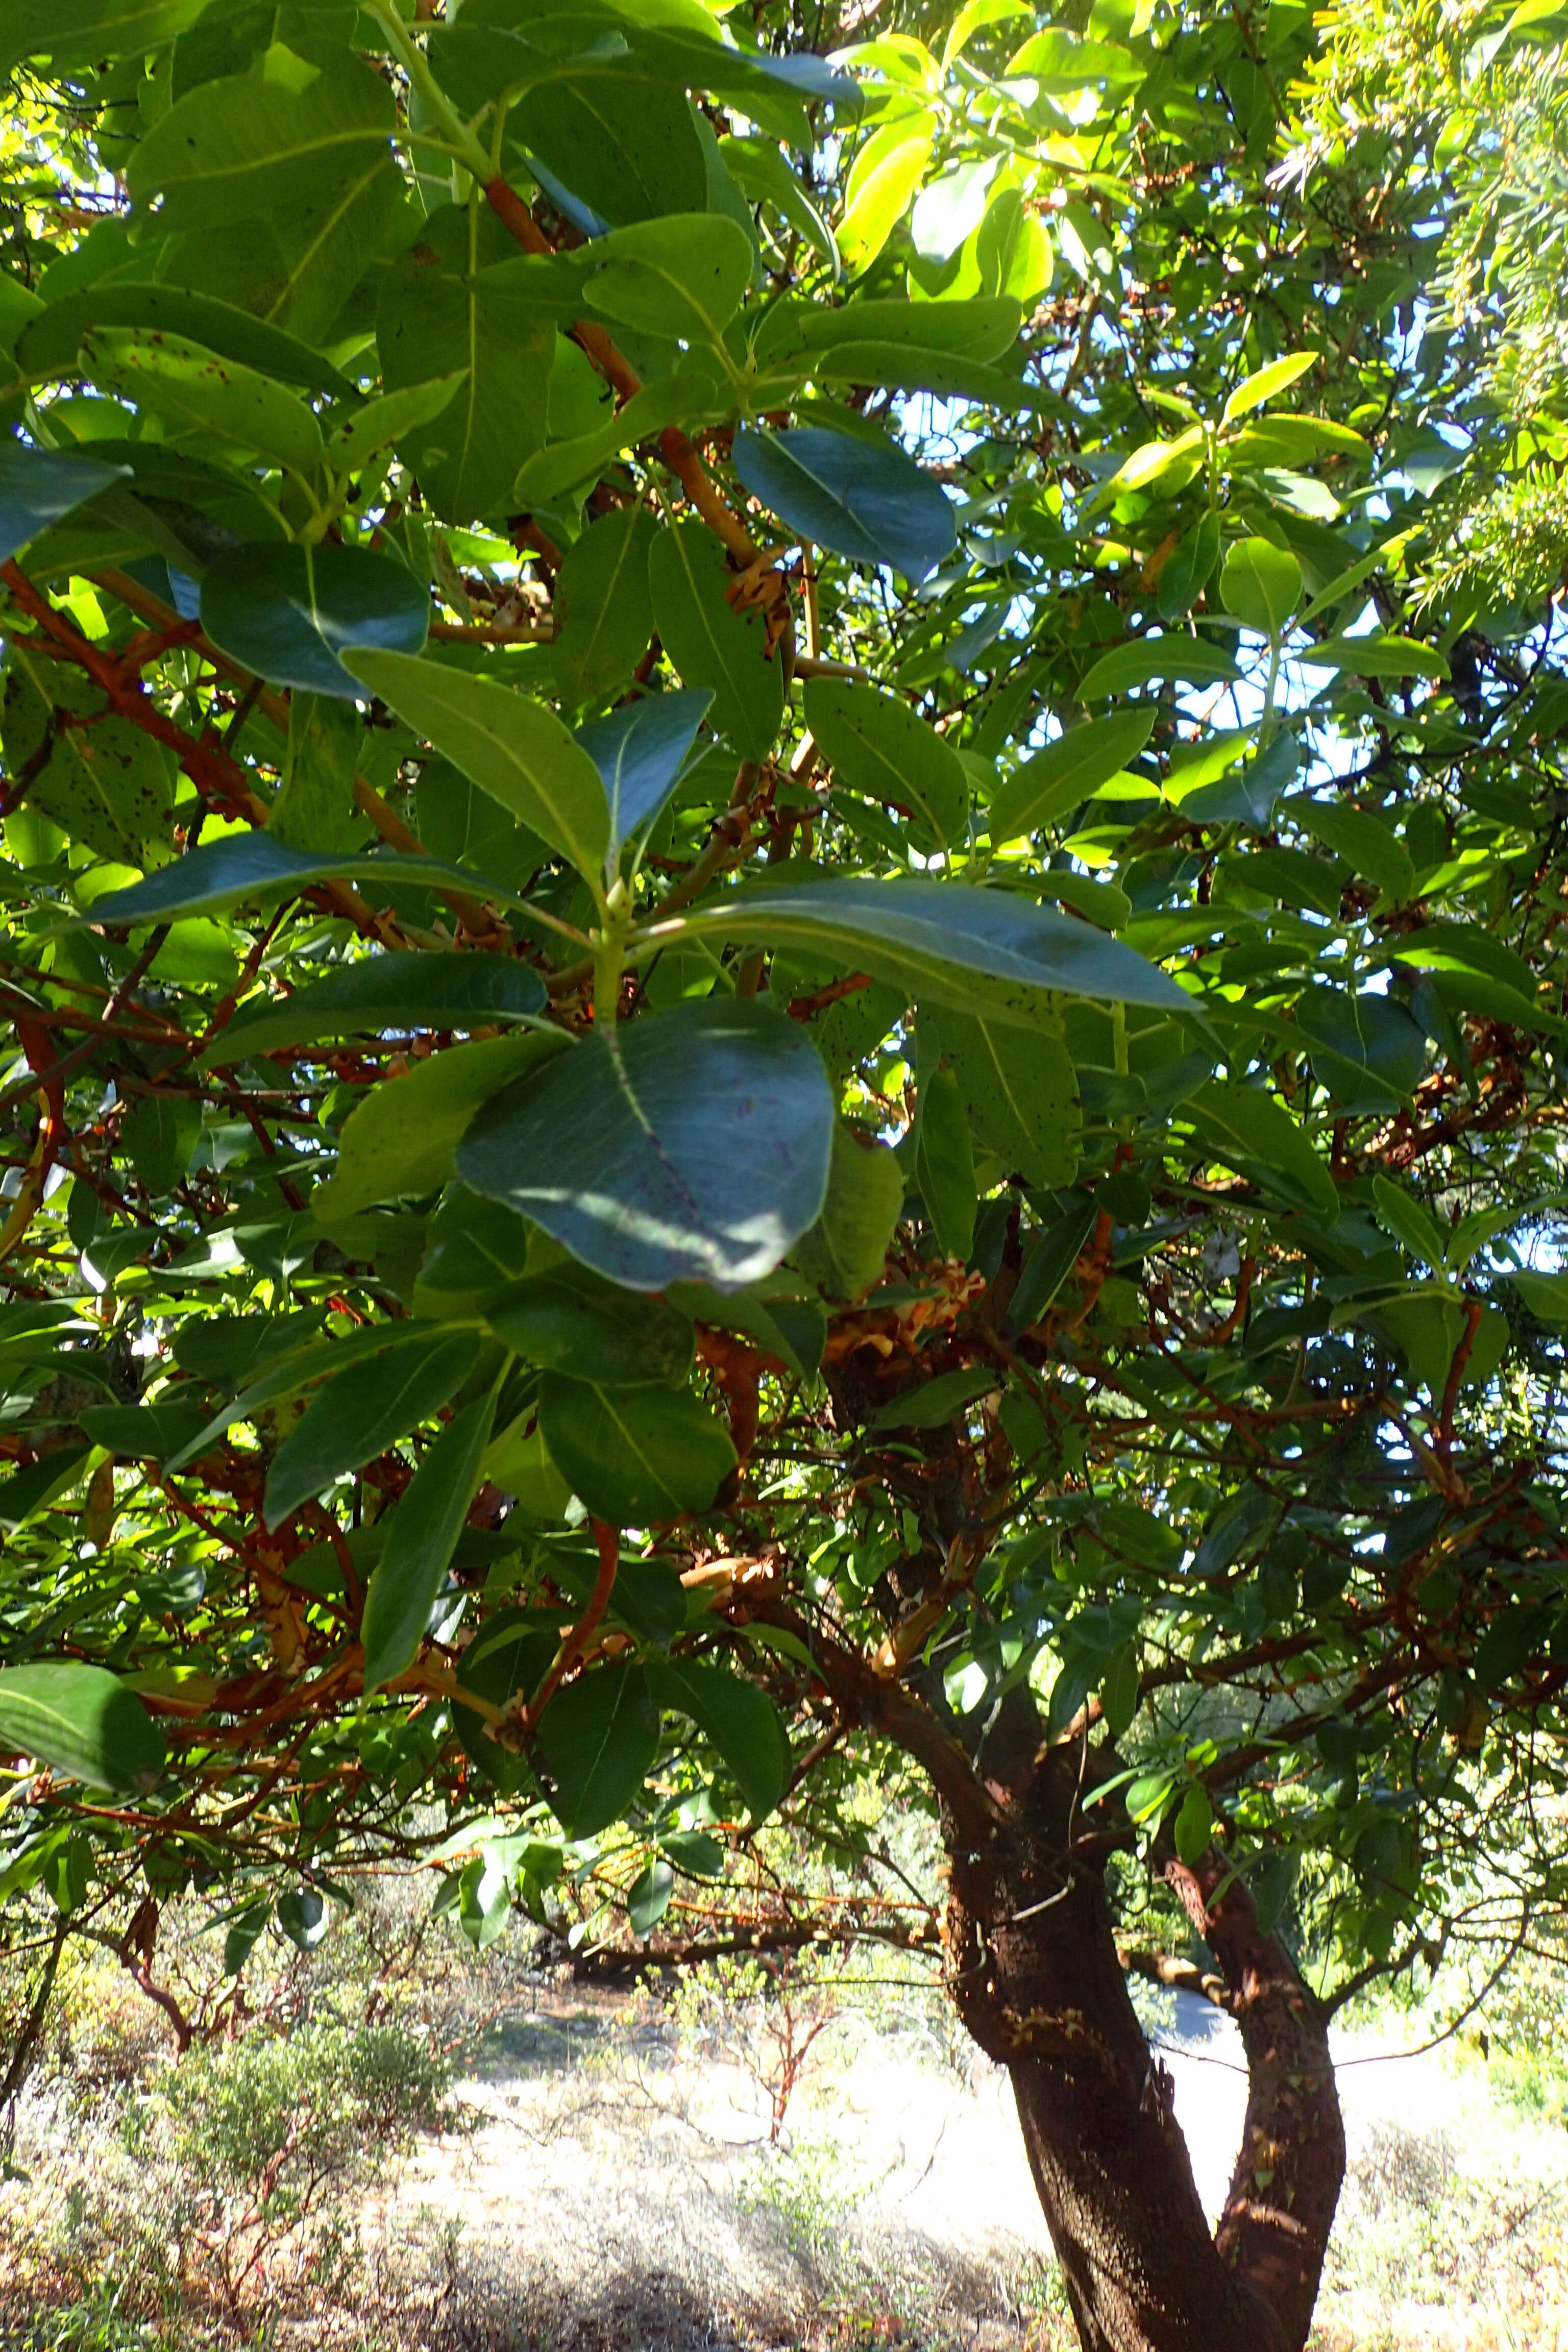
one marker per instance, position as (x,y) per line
(252,865)
(878,746)
(715,647)
(844,1251)
(1067,771)
(1245,1124)
(1147,660)
(870,502)
(357,1414)
(192,389)
(635,1457)
(691,1145)
(564,465)
(50,343)
(1365,843)
(599,1736)
(287,612)
(981,952)
(81,32)
(935,1403)
(403,1137)
(416,990)
(1262,584)
(1255,391)
(38,486)
(944,1163)
(1376,656)
(603,612)
(1019,1094)
(32,1489)
(569,1319)
(233,149)
(683,275)
(81,1722)
(106,783)
(376,425)
(640,750)
(624,147)
(422,1536)
(314,809)
(513,748)
(740,1721)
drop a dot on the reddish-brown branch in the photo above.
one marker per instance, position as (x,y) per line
(584,1631)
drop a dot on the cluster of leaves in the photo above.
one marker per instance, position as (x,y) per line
(773,965)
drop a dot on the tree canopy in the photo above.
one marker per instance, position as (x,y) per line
(783,849)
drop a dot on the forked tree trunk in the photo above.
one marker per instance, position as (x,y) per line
(1033,1969)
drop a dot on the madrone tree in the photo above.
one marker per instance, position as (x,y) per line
(782,939)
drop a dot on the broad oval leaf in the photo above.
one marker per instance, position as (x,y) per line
(983,952)
(420,989)
(401,1138)
(287,612)
(604,615)
(691,1145)
(740,1720)
(882,748)
(1262,584)
(568,1319)
(510,746)
(51,341)
(192,388)
(635,1457)
(857,498)
(844,1251)
(599,1736)
(1150,659)
(81,1721)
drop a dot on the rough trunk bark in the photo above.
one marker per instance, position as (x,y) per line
(1032,1967)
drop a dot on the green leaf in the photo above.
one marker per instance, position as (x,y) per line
(1149,660)
(944,1163)
(49,343)
(636,1456)
(858,499)
(603,612)
(1254,390)
(880,747)
(233,150)
(246,866)
(1262,584)
(438,312)
(1242,1123)
(106,783)
(1365,843)
(691,1144)
(513,747)
(287,612)
(315,805)
(792,1330)
(376,425)
(984,951)
(196,390)
(160,1132)
(1545,1294)
(82,1722)
(1363,1045)
(740,1720)
(474,1249)
(1374,656)
(1186,570)
(565,464)
(1055,1253)
(569,1319)
(144,1433)
(648,1896)
(711,645)
(600,1736)
(38,486)
(422,1536)
(303,1916)
(934,1403)
(1067,771)
(357,1414)
(419,989)
(624,147)
(83,32)
(245,1934)
(683,275)
(844,1251)
(1399,1214)
(640,750)
(30,1490)
(1019,1091)
(401,1138)
(1195,1823)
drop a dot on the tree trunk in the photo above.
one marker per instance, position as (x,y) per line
(1033,1969)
